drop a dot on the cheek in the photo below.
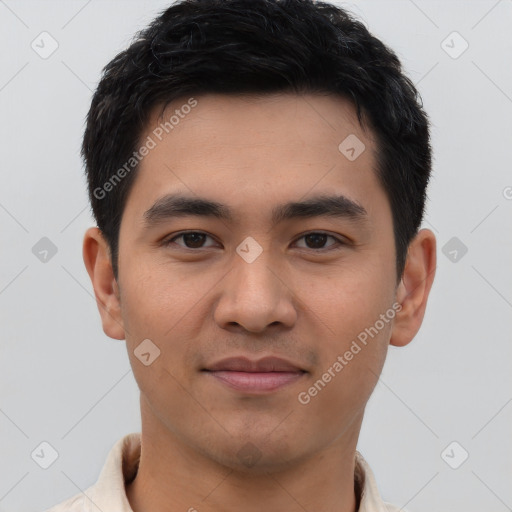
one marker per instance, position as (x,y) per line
(343,383)
(164,307)
(345,300)
(353,342)
(154,297)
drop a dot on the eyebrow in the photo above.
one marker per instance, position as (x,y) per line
(178,205)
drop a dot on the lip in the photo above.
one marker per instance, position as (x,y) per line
(261,376)
(256,382)
(264,365)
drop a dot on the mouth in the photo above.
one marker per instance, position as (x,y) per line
(263,376)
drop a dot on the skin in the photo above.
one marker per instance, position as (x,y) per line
(297,300)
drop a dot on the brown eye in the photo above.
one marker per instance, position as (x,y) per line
(191,240)
(317,241)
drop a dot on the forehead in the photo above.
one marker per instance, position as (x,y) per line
(255,150)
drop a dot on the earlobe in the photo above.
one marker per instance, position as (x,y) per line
(97,261)
(414,288)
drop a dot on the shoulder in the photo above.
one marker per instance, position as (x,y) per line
(108,493)
(391,508)
(74,504)
(370,498)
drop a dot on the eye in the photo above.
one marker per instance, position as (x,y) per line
(192,239)
(195,240)
(318,239)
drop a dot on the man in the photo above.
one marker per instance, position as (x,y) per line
(258,171)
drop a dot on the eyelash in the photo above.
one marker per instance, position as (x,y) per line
(339,243)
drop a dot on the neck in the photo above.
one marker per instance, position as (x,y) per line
(173,476)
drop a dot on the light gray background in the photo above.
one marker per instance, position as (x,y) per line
(65,382)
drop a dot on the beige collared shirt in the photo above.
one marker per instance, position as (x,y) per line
(108,494)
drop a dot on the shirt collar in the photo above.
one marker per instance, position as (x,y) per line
(121,466)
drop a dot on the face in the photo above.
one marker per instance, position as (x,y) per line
(304,286)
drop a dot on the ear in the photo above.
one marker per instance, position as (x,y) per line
(96,254)
(414,288)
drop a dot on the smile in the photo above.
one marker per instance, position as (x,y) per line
(256,382)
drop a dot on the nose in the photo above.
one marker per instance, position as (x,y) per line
(255,297)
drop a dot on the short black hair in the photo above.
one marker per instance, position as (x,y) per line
(257,47)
